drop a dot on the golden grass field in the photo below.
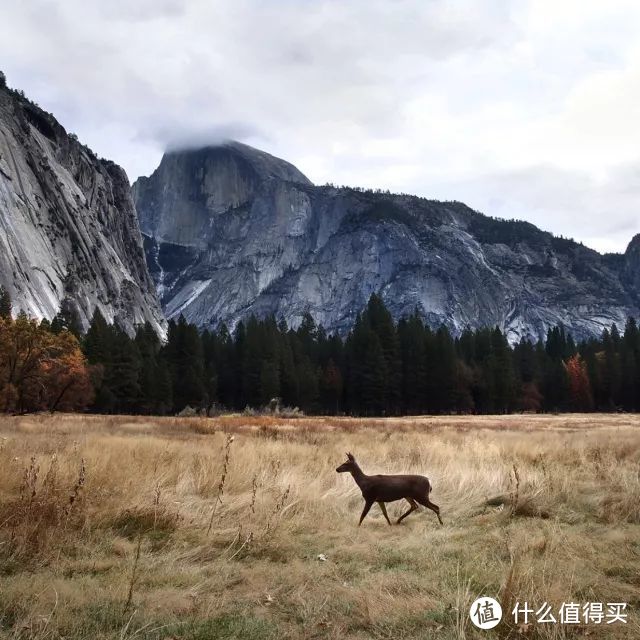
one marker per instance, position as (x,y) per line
(120,527)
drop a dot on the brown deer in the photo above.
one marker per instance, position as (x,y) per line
(383,489)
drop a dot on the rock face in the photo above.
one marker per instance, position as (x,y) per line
(69,233)
(231,231)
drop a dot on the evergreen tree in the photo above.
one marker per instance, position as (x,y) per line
(122,373)
(382,325)
(148,345)
(610,369)
(241,399)
(332,384)
(289,389)
(269,381)
(164,388)
(5,303)
(97,347)
(67,320)
(365,368)
(97,341)
(374,377)
(307,334)
(252,364)
(222,352)
(630,365)
(117,367)
(308,386)
(411,335)
(502,374)
(184,356)
(442,380)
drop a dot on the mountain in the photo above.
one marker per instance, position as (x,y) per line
(231,231)
(69,234)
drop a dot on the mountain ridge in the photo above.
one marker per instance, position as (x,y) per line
(222,243)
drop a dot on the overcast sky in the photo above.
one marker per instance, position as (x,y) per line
(520,108)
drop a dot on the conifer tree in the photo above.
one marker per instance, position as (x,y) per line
(223,354)
(240,340)
(252,364)
(332,385)
(5,303)
(67,320)
(357,345)
(610,368)
(382,325)
(502,375)
(411,337)
(164,388)
(269,382)
(148,345)
(630,363)
(97,341)
(289,389)
(374,377)
(308,385)
(442,375)
(121,376)
(185,358)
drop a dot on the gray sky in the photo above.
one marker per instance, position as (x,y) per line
(520,108)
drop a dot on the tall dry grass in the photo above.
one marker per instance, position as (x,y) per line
(239,527)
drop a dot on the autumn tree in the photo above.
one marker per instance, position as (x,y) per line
(40,370)
(579,387)
(66,382)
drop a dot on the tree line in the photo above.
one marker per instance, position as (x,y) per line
(381,367)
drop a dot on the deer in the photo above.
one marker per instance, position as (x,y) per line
(389,488)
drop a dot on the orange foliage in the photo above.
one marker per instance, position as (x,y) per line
(579,385)
(40,370)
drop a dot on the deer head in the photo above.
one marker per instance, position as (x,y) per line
(349,465)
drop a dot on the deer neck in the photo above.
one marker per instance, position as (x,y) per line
(358,474)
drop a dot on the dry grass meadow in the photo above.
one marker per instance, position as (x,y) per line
(239,527)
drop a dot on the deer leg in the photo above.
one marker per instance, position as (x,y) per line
(412,507)
(367,506)
(384,511)
(434,507)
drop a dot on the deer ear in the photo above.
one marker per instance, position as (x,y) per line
(350,456)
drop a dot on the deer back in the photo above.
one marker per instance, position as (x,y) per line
(387,488)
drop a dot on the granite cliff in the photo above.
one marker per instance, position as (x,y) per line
(231,231)
(69,234)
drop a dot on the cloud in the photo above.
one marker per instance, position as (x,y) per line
(526,109)
(601,213)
